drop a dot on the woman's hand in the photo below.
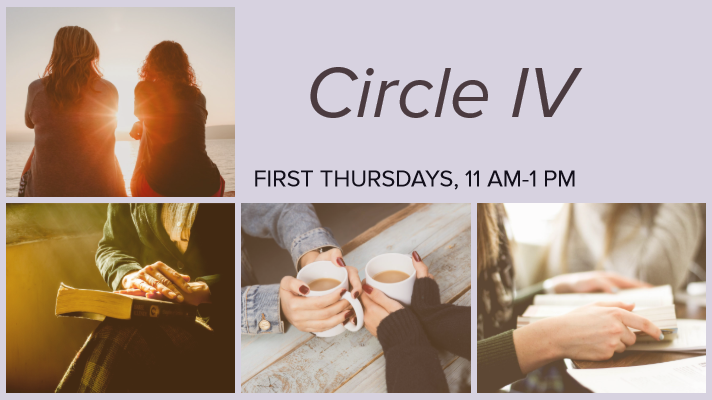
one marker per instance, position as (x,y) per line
(594,332)
(136,130)
(312,314)
(334,255)
(158,278)
(594,281)
(421,270)
(200,293)
(376,307)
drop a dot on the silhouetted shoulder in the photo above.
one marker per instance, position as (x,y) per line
(144,90)
(35,87)
(141,86)
(104,85)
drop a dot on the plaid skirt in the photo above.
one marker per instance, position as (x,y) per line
(150,356)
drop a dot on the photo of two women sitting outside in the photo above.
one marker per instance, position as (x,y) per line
(116,102)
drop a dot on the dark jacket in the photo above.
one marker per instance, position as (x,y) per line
(175,161)
(134,237)
(74,145)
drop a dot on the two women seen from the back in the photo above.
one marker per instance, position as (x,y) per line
(73,113)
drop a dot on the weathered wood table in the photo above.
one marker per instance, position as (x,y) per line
(353,361)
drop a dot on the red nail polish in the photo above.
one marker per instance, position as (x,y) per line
(304,289)
(349,315)
(342,292)
(367,288)
(416,257)
(356,295)
(340,261)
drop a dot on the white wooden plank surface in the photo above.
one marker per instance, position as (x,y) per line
(425,230)
(322,365)
(457,373)
(373,378)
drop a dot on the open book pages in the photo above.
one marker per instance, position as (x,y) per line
(691,337)
(663,317)
(649,297)
(681,376)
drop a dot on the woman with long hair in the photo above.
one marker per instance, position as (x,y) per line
(73,113)
(171,109)
(504,355)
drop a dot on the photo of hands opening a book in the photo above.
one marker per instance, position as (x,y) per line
(591,297)
(170,301)
(381,303)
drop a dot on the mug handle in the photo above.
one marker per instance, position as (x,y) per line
(358,309)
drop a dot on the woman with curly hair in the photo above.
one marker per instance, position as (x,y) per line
(73,113)
(171,109)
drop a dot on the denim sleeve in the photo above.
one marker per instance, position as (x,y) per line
(256,301)
(295,227)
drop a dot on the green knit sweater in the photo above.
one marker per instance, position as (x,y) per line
(497,363)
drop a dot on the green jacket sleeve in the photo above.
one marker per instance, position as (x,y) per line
(497,363)
(116,255)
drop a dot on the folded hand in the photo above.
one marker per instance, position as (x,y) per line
(156,280)
(136,130)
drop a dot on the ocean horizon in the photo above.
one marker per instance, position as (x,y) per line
(221,151)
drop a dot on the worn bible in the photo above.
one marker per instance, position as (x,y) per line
(96,304)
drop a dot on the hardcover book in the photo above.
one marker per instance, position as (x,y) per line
(97,305)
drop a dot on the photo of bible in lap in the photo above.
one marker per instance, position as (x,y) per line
(170,266)
(196,249)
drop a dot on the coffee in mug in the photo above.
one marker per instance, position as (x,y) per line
(323,284)
(324,278)
(392,276)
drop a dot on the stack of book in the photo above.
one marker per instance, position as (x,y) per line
(655,304)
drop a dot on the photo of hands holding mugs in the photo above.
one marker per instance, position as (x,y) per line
(332,298)
(321,287)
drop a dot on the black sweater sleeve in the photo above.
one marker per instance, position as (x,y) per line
(412,364)
(447,326)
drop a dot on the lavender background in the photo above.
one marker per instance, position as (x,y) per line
(635,124)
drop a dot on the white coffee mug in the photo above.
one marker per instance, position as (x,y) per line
(401,291)
(327,269)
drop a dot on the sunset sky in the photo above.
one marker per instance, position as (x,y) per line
(125,36)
